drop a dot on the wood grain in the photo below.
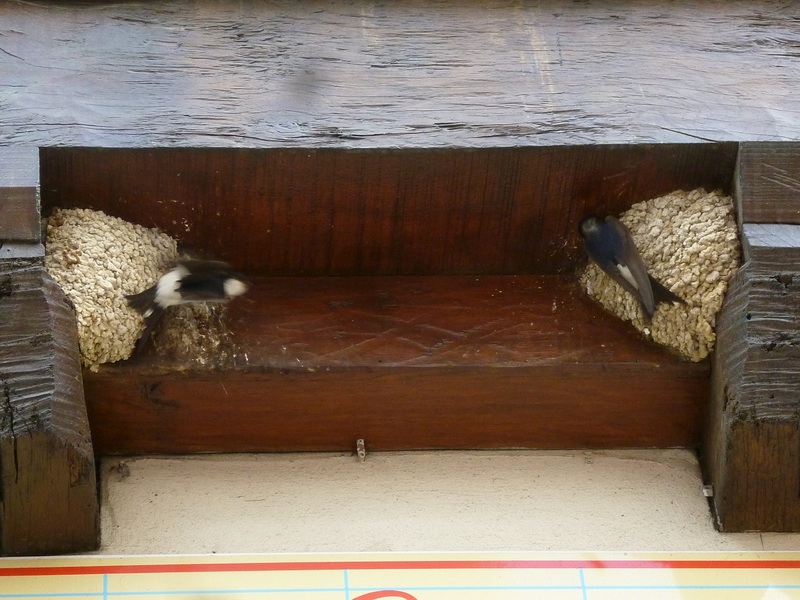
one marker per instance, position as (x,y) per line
(751,451)
(405,363)
(394,409)
(47,472)
(364,74)
(19,215)
(388,212)
(768,177)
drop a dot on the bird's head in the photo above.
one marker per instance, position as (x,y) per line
(589,225)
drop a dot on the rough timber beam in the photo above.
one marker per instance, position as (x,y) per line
(48,501)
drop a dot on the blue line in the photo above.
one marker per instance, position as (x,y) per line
(346,585)
(105,586)
(583,583)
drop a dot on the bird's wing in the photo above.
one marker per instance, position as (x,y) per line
(202,287)
(203,267)
(631,267)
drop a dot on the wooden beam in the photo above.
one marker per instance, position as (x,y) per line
(751,452)
(19,215)
(255,74)
(48,501)
(47,470)
(19,198)
(768,182)
(406,363)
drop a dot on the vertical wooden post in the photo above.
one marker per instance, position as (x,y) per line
(752,443)
(48,489)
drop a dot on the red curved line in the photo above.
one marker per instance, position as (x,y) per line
(385,594)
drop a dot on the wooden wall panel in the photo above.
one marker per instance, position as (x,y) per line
(394,409)
(379,212)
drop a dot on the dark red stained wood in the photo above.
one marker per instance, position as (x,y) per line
(495,322)
(394,409)
(379,212)
(435,73)
(408,362)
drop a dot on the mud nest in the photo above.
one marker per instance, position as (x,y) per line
(690,243)
(98,259)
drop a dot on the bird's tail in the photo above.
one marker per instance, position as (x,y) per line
(143,301)
(662,294)
(150,323)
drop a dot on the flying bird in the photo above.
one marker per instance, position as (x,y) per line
(188,281)
(610,245)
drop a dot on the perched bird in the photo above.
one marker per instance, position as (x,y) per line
(610,245)
(188,281)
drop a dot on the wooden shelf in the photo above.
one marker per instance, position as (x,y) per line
(407,363)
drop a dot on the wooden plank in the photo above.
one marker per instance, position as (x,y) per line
(397,75)
(751,450)
(772,246)
(47,473)
(19,215)
(406,363)
(388,212)
(393,409)
(19,198)
(768,177)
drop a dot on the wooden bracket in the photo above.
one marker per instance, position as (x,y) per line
(48,488)
(752,443)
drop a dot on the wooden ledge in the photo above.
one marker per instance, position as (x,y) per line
(407,363)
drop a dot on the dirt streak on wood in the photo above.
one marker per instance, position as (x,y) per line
(366,74)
